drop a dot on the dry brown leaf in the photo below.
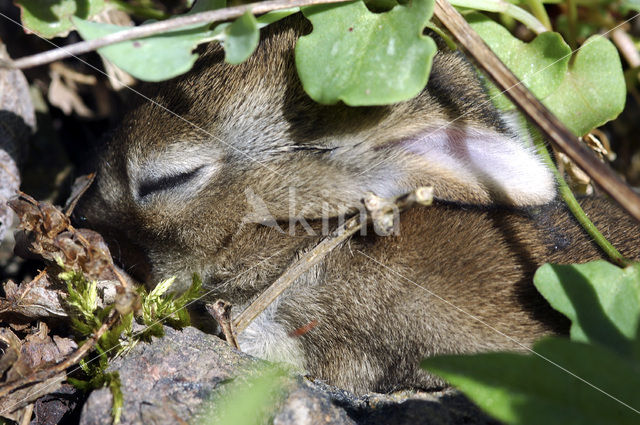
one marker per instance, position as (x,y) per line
(11,350)
(34,300)
(23,358)
(63,90)
(12,405)
(48,234)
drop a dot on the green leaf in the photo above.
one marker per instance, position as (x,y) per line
(364,58)
(241,39)
(204,5)
(529,390)
(541,64)
(49,18)
(154,58)
(247,402)
(194,291)
(161,288)
(593,91)
(601,300)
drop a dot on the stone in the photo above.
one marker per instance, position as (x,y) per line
(167,380)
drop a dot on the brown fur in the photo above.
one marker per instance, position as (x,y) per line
(375,321)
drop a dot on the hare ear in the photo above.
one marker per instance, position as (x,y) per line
(468,165)
(463,164)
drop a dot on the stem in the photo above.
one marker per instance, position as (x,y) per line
(578,212)
(540,12)
(572,18)
(449,42)
(626,47)
(500,6)
(158,28)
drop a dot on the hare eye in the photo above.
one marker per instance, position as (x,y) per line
(147,187)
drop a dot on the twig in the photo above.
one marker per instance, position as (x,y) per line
(626,47)
(221,311)
(423,196)
(48,373)
(157,28)
(550,126)
(26,415)
(572,18)
(78,191)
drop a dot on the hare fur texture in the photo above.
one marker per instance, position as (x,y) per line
(229,170)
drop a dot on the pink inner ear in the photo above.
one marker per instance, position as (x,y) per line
(510,171)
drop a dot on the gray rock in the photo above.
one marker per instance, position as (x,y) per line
(167,381)
(307,405)
(17,122)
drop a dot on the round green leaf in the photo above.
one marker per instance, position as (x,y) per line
(154,58)
(541,64)
(593,90)
(555,387)
(601,300)
(241,39)
(53,18)
(365,58)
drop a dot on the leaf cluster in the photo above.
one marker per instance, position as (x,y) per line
(87,316)
(160,307)
(591,378)
(360,57)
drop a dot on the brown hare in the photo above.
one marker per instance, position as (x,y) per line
(230,170)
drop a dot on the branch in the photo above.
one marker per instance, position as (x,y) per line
(379,211)
(550,126)
(158,28)
(626,46)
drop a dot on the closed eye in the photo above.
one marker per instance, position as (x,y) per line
(164,183)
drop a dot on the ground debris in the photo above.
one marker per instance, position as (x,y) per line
(34,362)
(34,300)
(21,358)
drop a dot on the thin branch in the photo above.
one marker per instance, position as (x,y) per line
(50,372)
(626,46)
(78,191)
(378,211)
(550,126)
(26,415)
(157,28)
